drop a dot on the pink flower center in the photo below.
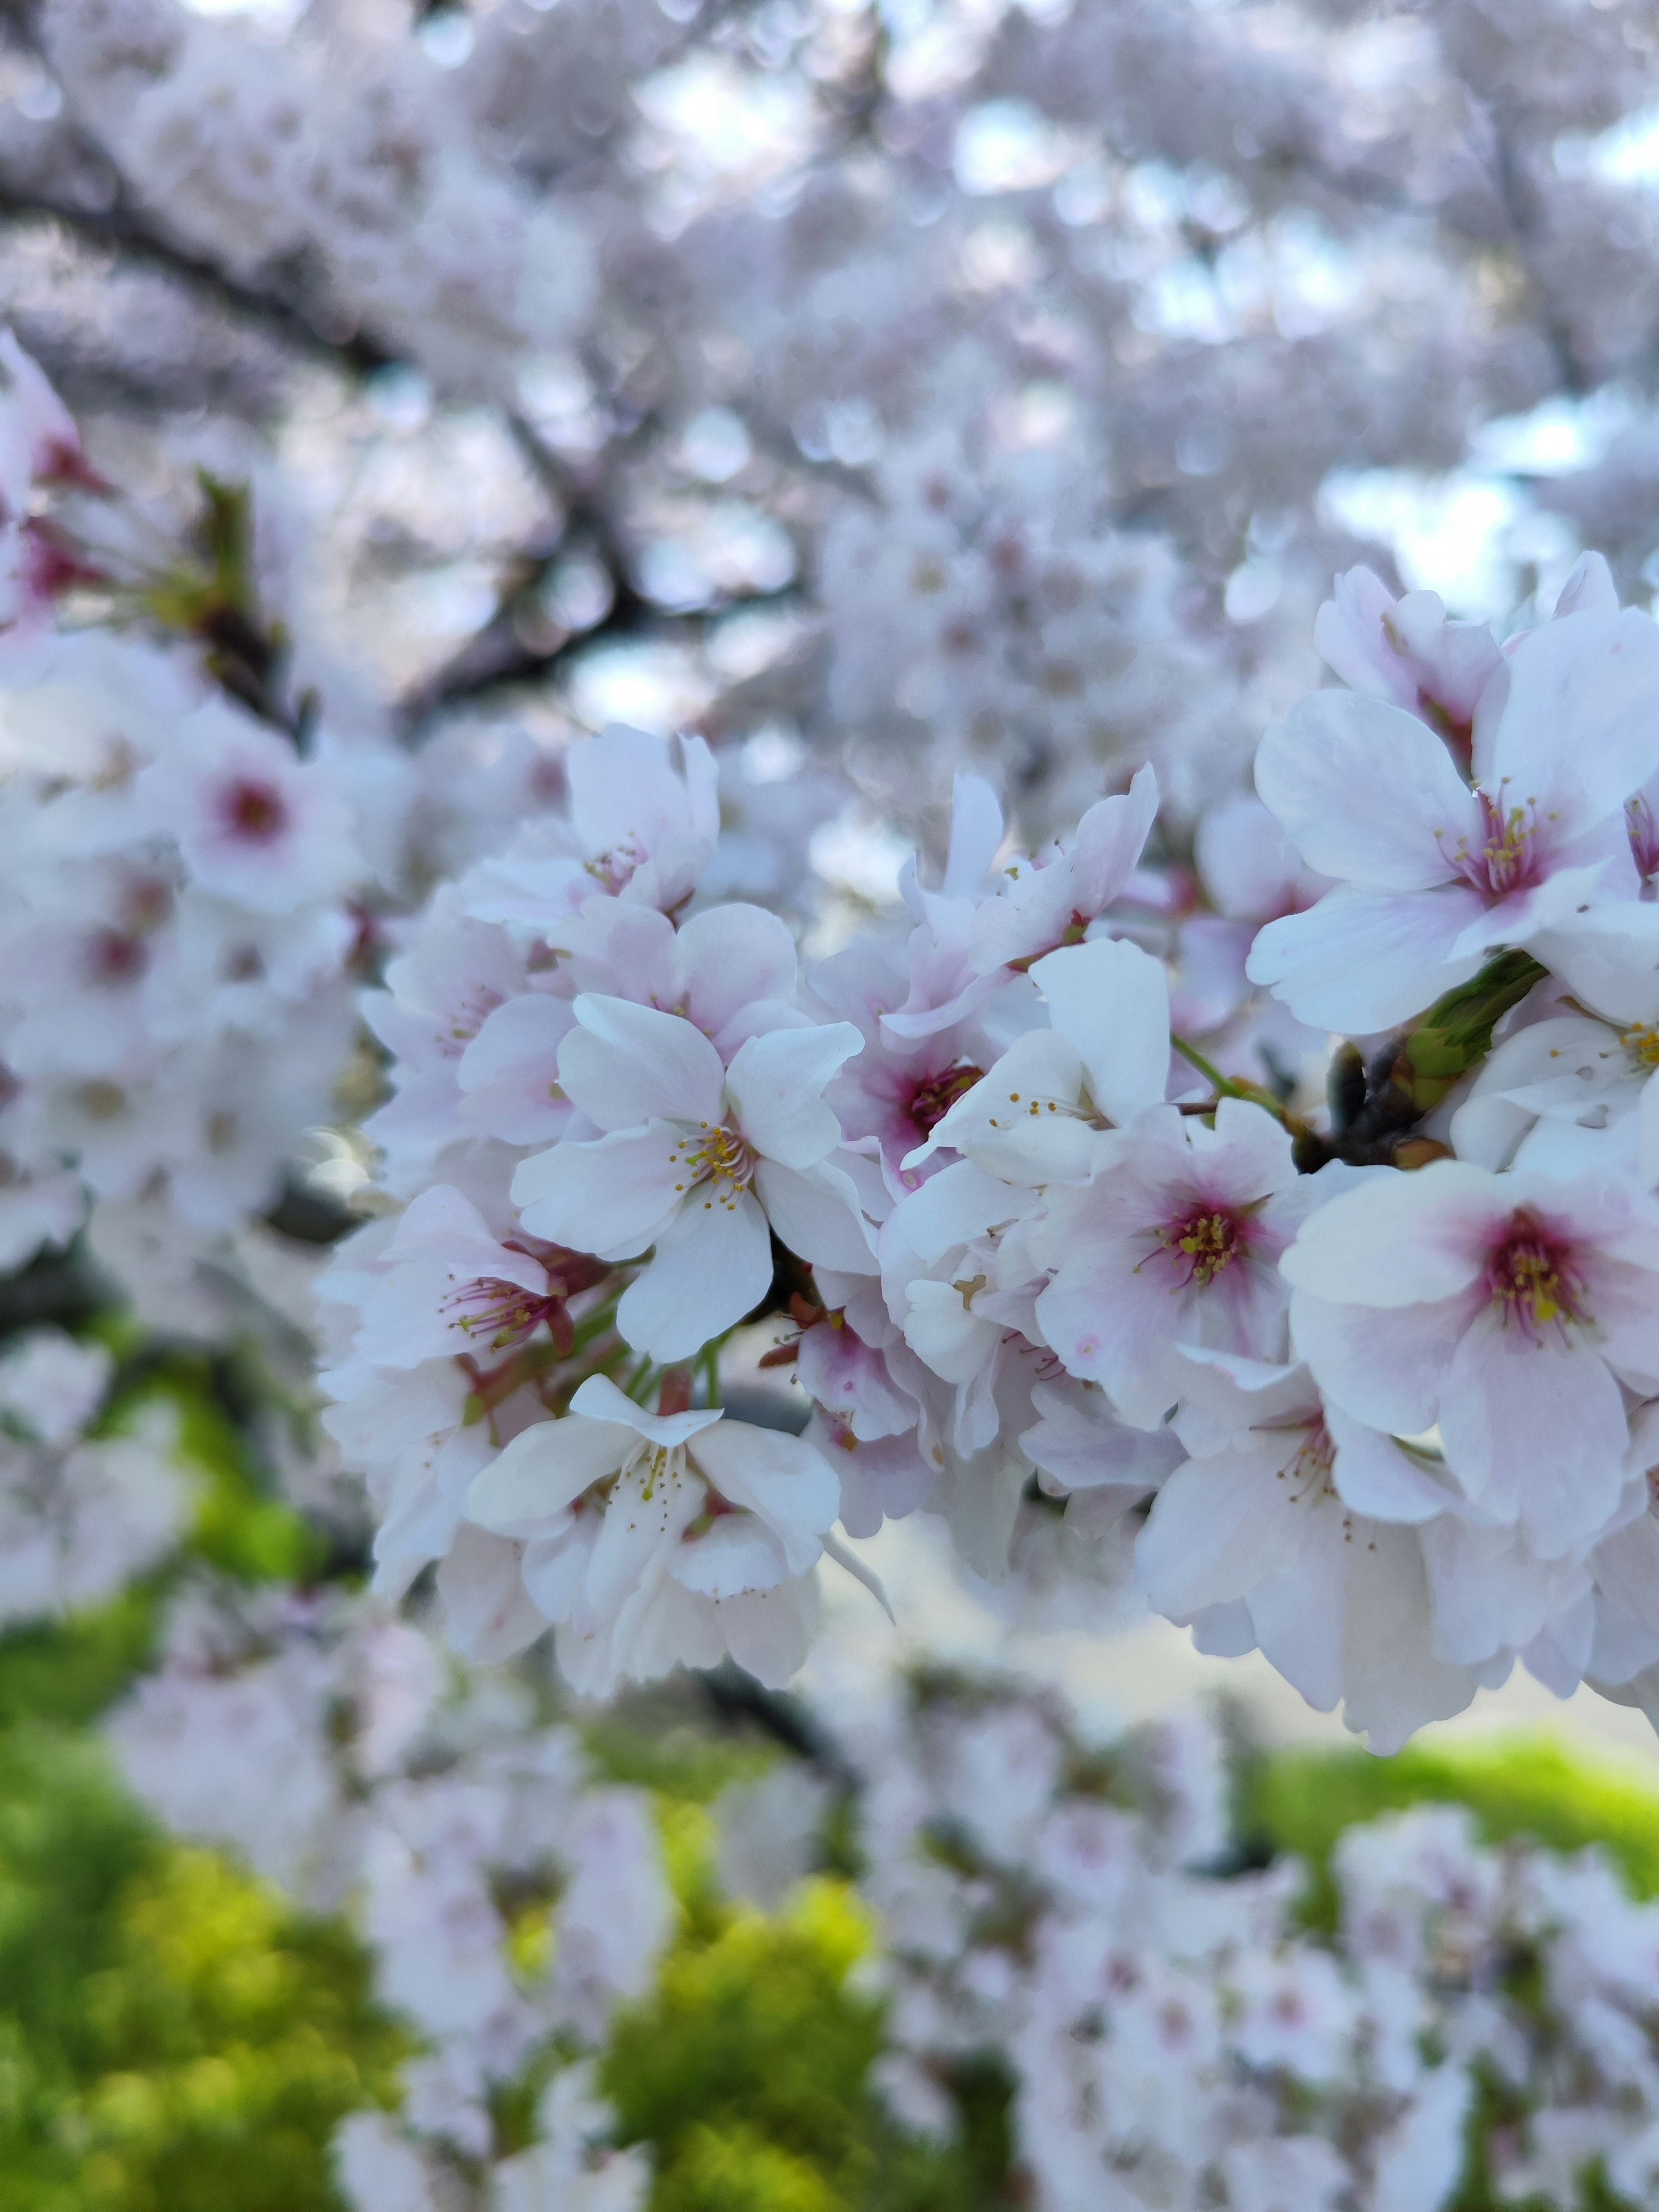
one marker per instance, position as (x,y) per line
(114,959)
(1643,837)
(613,870)
(932,1099)
(1511,855)
(1531,1278)
(1204,1242)
(715,1158)
(252,810)
(508,1310)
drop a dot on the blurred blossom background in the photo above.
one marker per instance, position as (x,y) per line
(882,393)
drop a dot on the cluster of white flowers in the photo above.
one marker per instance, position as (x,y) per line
(1174,2033)
(1381,1370)
(80,1514)
(510,1899)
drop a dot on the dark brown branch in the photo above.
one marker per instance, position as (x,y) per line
(122,229)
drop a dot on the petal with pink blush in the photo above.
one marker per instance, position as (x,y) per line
(627,1064)
(1535,1430)
(712,1265)
(1363,960)
(1368,792)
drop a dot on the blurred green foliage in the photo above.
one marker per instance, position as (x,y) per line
(175,2038)
(1301,1800)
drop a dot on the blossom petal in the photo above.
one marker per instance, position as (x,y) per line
(626,1064)
(612,1196)
(1363,960)
(712,1265)
(791,1488)
(777,1085)
(1111,1000)
(1385,1365)
(1535,1428)
(1576,730)
(1368,792)
(1217,1527)
(544,1469)
(1401,1240)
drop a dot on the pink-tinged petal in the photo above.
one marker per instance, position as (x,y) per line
(489,1615)
(612,1197)
(1394,1684)
(975,835)
(1380,1480)
(1079,1444)
(627,1064)
(738,1554)
(1576,730)
(1217,1527)
(600,1399)
(1110,1325)
(1363,960)
(509,1074)
(952,1208)
(1402,1240)
(653,1504)
(1525,915)
(1490,1593)
(1368,792)
(776,1086)
(440,1224)
(1300,1614)
(1019,1122)
(545,1469)
(1626,1567)
(1043,905)
(817,1216)
(1608,958)
(1533,1427)
(1111,1000)
(711,1266)
(839,1370)
(769,1633)
(1386,1366)
(791,1488)
(729,956)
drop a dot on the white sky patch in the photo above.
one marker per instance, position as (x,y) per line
(1463,535)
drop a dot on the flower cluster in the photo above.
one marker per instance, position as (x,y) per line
(1176,2036)
(1364,1385)
(81,1515)
(510,1899)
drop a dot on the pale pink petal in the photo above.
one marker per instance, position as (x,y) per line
(1368,793)
(711,1266)
(1375,1477)
(613,1196)
(1111,1000)
(627,1064)
(1387,1366)
(1401,1240)
(1533,1427)
(1217,1527)
(738,1553)
(1576,730)
(782,1478)
(776,1086)
(544,1469)
(817,1216)
(1394,1684)
(1363,960)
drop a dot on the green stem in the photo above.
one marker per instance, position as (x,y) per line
(1227,1086)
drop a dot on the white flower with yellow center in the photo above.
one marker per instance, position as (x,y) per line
(696,1161)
